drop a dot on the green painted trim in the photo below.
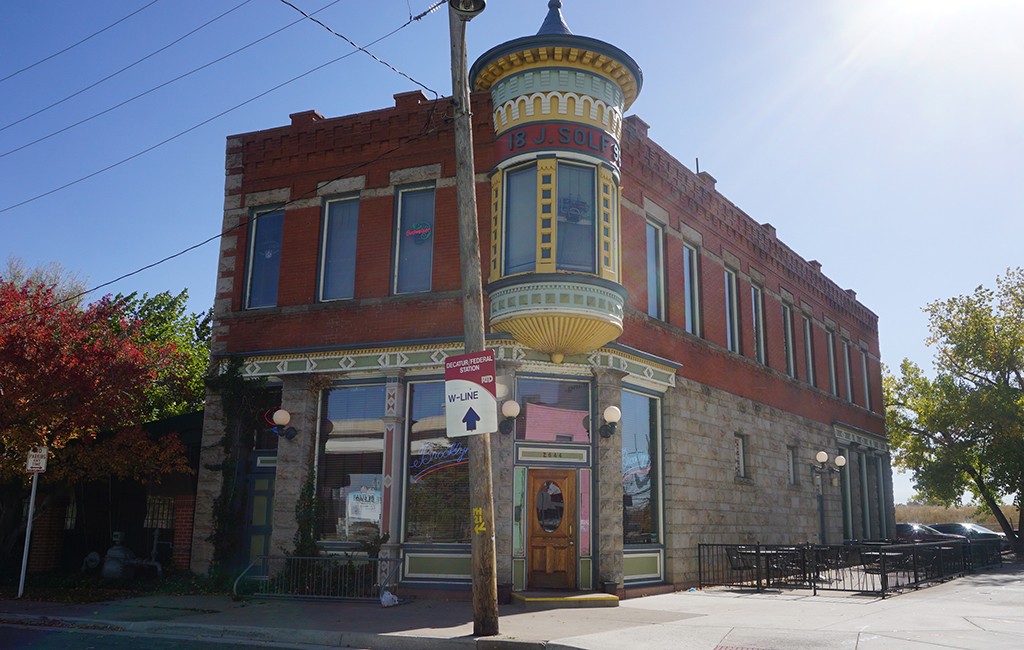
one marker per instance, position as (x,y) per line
(646,565)
(519,512)
(585,578)
(518,574)
(438,566)
(552,455)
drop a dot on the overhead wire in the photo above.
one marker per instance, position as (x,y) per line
(125,68)
(74,45)
(365,51)
(163,85)
(74,298)
(424,132)
(225,112)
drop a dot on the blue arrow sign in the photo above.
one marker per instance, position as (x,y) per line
(471,419)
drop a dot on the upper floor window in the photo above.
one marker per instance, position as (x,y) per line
(576,206)
(266,230)
(521,220)
(808,350)
(757,319)
(847,371)
(655,272)
(414,240)
(691,289)
(732,311)
(866,379)
(338,255)
(830,352)
(787,339)
(350,452)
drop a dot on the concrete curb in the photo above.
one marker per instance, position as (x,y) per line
(324,638)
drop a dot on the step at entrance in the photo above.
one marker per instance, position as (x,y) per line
(540,600)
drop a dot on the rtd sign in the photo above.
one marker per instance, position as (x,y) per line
(470,400)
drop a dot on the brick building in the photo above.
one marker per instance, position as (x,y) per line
(614,277)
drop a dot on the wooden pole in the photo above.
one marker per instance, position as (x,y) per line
(481,490)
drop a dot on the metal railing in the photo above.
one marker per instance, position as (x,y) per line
(870,568)
(334,577)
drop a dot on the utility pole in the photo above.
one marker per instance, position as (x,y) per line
(481,490)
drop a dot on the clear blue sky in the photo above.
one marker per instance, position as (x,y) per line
(884,138)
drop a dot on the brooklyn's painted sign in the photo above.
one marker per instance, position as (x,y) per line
(562,136)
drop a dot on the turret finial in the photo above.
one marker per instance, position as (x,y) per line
(554,23)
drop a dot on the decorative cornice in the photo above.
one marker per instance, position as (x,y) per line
(860,437)
(429,359)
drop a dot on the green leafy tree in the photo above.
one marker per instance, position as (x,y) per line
(163,319)
(963,429)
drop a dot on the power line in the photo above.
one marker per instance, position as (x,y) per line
(127,67)
(71,47)
(367,52)
(164,84)
(208,120)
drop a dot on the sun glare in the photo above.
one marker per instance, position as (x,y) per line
(923,32)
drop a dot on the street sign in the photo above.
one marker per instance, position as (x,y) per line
(36,460)
(470,399)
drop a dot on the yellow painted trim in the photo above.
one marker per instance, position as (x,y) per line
(554,333)
(561,57)
(608,236)
(547,167)
(497,226)
(566,106)
(558,599)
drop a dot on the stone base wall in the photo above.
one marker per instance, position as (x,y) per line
(208,485)
(706,502)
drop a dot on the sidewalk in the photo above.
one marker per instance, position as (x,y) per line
(978,611)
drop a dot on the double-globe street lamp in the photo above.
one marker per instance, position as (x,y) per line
(821,469)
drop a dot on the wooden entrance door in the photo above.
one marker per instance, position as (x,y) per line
(551,540)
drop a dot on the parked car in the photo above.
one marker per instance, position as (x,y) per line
(973,531)
(922,533)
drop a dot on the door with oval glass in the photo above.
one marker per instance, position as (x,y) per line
(552,531)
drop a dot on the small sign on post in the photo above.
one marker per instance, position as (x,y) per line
(36,460)
(470,397)
(35,465)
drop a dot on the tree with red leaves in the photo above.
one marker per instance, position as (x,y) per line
(67,374)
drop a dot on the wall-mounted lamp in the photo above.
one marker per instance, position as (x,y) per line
(612,415)
(467,9)
(281,419)
(509,412)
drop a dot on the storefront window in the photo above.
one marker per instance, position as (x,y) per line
(553,410)
(639,430)
(351,459)
(437,506)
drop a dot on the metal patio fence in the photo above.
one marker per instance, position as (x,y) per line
(870,568)
(333,577)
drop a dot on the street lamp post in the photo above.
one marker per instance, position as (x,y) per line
(821,469)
